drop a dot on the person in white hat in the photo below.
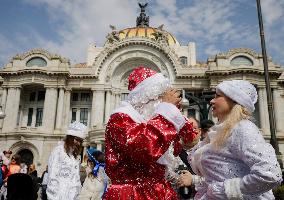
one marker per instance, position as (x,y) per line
(234,160)
(63,165)
(139,135)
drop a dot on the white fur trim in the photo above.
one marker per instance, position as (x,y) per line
(76,133)
(232,189)
(239,91)
(171,113)
(149,89)
(128,109)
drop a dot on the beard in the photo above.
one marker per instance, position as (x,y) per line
(147,109)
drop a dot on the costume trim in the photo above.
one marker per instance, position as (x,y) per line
(232,189)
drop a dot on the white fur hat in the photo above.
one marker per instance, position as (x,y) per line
(240,91)
(77,129)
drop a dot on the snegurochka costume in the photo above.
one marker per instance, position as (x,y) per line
(246,166)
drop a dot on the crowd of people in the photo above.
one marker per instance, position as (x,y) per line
(154,152)
(18,181)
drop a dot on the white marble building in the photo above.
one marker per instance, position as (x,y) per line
(41,93)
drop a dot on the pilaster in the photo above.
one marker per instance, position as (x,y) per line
(49,111)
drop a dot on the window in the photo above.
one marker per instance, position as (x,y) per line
(75,97)
(36,61)
(41,96)
(183,60)
(85,96)
(74,111)
(84,116)
(32,96)
(241,60)
(30,116)
(39,113)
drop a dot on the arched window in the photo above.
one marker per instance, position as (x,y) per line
(183,60)
(241,60)
(36,61)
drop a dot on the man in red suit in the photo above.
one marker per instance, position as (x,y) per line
(141,136)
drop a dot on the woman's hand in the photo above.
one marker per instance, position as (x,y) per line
(172,96)
(185,178)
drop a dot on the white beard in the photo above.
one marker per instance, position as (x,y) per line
(147,110)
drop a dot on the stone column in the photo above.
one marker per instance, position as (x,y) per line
(117,100)
(60,109)
(3,103)
(107,106)
(112,103)
(66,115)
(93,110)
(11,109)
(49,110)
(99,106)
(4,98)
(278,102)
(263,111)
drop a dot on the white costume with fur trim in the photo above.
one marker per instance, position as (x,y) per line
(245,168)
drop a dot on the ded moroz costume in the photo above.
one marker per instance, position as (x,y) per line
(138,137)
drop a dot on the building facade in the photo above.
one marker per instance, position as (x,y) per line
(42,93)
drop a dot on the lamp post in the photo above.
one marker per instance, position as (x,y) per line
(203,102)
(272,123)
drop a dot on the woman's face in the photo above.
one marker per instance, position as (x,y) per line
(221,106)
(77,144)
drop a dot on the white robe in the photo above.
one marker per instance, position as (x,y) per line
(63,176)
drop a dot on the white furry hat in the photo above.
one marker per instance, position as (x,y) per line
(77,129)
(240,91)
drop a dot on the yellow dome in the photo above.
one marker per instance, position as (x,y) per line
(144,32)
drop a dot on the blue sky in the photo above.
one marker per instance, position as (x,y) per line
(68,27)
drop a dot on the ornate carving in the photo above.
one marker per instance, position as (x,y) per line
(113,36)
(238,50)
(163,48)
(161,36)
(42,52)
(143,19)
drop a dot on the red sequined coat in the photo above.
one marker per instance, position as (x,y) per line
(133,148)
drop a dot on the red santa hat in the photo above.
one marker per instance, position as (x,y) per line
(138,75)
(146,84)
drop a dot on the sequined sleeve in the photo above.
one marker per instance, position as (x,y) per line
(259,155)
(141,142)
(250,148)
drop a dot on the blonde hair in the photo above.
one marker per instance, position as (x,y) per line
(236,114)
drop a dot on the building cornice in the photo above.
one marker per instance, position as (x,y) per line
(5,72)
(228,71)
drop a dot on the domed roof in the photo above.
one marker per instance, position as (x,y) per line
(146,32)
